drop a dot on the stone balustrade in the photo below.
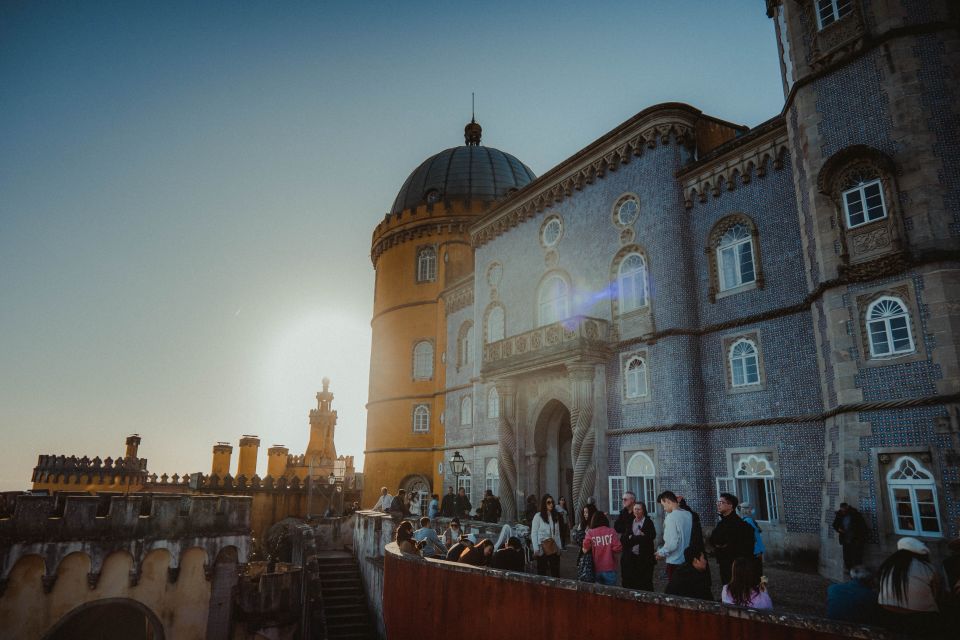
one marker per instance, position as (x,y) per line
(575,335)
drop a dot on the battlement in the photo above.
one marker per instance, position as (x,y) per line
(50,467)
(242,484)
(67,516)
(436,218)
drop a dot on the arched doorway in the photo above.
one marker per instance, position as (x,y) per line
(107,619)
(420,485)
(554,461)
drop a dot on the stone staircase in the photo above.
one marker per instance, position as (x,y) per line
(344,601)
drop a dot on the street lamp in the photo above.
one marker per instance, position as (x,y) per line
(457,463)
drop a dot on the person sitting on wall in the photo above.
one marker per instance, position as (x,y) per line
(909,589)
(452,535)
(510,557)
(692,578)
(448,507)
(478,555)
(746,588)
(383,504)
(853,601)
(465,542)
(405,539)
(433,546)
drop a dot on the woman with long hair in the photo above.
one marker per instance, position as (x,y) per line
(604,544)
(545,536)
(585,571)
(405,539)
(745,588)
(639,542)
(479,555)
(909,588)
(564,514)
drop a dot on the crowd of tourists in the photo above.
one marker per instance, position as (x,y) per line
(912,595)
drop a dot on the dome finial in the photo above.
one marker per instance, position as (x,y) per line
(471,132)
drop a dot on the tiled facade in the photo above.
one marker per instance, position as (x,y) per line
(825,421)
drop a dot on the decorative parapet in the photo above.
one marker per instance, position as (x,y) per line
(424,221)
(578,336)
(743,157)
(459,296)
(656,125)
(53,468)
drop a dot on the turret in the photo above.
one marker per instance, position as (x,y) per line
(247,465)
(133,443)
(221,459)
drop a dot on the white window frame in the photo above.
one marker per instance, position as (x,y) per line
(421,418)
(643,485)
(726,484)
(885,322)
(617,486)
(861,191)
(551,222)
(912,486)
(466,411)
(731,363)
(634,293)
(557,307)
(492,476)
(427,264)
(496,324)
(465,481)
(734,245)
(628,375)
(838,9)
(769,478)
(423,360)
(493,403)
(466,344)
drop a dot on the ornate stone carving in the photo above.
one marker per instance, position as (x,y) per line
(584,438)
(508,448)
(459,297)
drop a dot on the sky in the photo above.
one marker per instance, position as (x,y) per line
(188,189)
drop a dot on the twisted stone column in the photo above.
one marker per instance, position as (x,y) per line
(506,458)
(584,438)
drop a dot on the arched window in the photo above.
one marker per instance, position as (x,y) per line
(863,203)
(756,484)
(744,366)
(421,418)
(635,378)
(466,410)
(427,264)
(492,481)
(640,477)
(465,344)
(423,360)
(493,403)
(633,282)
(553,300)
(735,258)
(888,327)
(495,324)
(913,499)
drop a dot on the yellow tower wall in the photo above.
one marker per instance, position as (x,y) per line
(277,461)
(247,465)
(220,466)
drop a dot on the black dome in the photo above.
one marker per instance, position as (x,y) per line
(476,172)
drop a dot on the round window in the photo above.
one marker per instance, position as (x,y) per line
(628,211)
(433,196)
(551,232)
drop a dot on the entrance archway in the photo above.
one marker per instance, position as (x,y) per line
(552,438)
(107,619)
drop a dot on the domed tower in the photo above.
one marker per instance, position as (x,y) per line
(419,249)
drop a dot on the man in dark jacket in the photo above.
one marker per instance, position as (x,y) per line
(692,578)
(448,507)
(852,532)
(490,508)
(399,504)
(625,519)
(696,529)
(463,506)
(509,557)
(732,538)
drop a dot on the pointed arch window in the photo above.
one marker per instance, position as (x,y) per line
(466,411)
(423,360)
(493,476)
(465,344)
(744,363)
(913,499)
(641,473)
(553,300)
(888,328)
(495,324)
(632,280)
(635,378)
(735,258)
(427,264)
(421,418)
(493,403)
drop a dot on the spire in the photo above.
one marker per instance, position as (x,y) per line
(471,132)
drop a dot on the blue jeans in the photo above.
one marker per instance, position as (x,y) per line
(607,577)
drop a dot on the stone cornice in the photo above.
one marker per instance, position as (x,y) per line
(415,229)
(458,296)
(745,157)
(645,130)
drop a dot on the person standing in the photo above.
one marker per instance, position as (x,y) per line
(677,525)
(398,506)
(531,509)
(696,528)
(434,509)
(625,517)
(462,504)
(448,507)
(851,531)
(758,547)
(639,541)
(384,502)
(490,509)
(732,538)
(604,543)
(413,505)
(545,537)
(565,517)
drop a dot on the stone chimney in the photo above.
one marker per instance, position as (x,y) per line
(221,460)
(247,465)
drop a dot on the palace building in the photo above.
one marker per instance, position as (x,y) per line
(696,305)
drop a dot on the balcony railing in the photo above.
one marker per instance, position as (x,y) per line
(577,334)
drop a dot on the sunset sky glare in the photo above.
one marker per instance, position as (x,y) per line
(188,189)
